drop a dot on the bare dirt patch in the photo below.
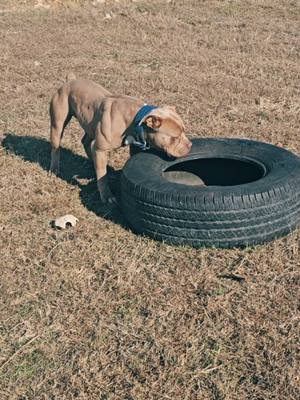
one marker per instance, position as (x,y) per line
(95,312)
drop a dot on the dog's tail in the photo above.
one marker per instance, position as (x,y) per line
(70,77)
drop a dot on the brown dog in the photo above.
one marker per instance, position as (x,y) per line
(111,121)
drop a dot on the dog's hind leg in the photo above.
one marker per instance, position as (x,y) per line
(87,142)
(60,116)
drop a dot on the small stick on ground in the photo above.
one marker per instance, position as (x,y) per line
(15,354)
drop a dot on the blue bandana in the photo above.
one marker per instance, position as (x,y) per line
(139,128)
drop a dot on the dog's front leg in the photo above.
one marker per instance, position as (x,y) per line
(100,158)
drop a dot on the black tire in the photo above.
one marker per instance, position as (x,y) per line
(218,216)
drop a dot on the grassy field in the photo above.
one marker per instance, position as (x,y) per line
(96,312)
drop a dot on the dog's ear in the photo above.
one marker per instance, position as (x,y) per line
(152,121)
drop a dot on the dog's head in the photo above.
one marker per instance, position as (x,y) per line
(167,131)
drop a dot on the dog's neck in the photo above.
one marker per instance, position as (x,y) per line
(137,134)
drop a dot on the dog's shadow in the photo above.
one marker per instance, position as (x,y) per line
(74,168)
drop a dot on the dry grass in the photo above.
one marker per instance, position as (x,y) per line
(96,312)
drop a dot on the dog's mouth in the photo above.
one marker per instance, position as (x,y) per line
(170,155)
(179,154)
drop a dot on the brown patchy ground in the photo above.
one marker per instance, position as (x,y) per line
(96,312)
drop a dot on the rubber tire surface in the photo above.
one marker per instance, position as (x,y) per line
(213,216)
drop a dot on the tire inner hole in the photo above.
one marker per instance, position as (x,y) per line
(215,172)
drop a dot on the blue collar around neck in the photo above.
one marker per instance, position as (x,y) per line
(138,138)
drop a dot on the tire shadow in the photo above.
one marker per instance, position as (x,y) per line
(73,168)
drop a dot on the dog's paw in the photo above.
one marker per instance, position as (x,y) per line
(54,172)
(54,168)
(112,200)
(106,195)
